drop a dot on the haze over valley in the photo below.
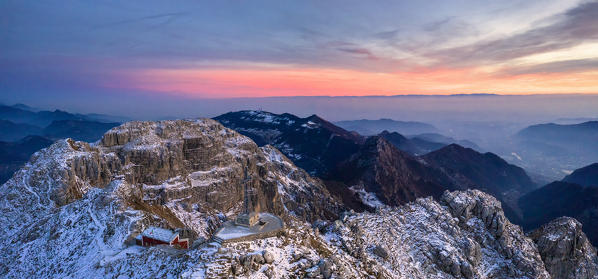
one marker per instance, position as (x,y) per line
(436,139)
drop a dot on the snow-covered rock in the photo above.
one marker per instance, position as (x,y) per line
(73,212)
(565,249)
(454,238)
(74,209)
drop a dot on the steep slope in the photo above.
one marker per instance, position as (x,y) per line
(74,208)
(414,146)
(486,171)
(374,127)
(313,143)
(586,176)
(393,175)
(562,199)
(465,235)
(438,138)
(373,170)
(565,250)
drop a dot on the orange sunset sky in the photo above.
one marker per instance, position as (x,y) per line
(225,49)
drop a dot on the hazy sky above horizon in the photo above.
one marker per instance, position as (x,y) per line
(93,51)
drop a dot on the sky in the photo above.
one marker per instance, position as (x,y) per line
(100,52)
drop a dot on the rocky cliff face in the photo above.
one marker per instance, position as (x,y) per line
(465,235)
(189,166)
(394,176)
(73,210)
(565,249)
(483,171)
(169,173)
(415,147)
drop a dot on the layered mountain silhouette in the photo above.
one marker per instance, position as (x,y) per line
(373,127)
(387,164)
(19,121)
(413,146)
(10,131)
(562,199)
(557,147)
(14,154)
(438,138)
(77,129)
(24,130)
(586,176)
(393,175)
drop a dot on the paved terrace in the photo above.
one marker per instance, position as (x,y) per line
(229,232)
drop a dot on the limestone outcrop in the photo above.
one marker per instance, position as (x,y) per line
(565,249)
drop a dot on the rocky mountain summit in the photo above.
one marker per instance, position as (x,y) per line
(465,235)
(74,209)
(171,173)
(565,249)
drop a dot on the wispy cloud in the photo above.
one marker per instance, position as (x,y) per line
(567,66)
(571,28)
(420,46)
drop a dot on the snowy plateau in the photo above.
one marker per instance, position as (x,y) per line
(74,210)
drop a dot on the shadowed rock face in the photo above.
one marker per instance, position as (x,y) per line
(586,176)
(562,199)
(415,146)
(183,171)
(71,211)
(483,171)
(313,143)
(173,160)
(393,175)
(565,249)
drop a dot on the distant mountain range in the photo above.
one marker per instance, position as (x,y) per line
(413,146)
(575,196)
(14,154)
(373,127)
(19,121)
(24,130)
(556,149)
(583,133)
(435,137)
(389,165)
